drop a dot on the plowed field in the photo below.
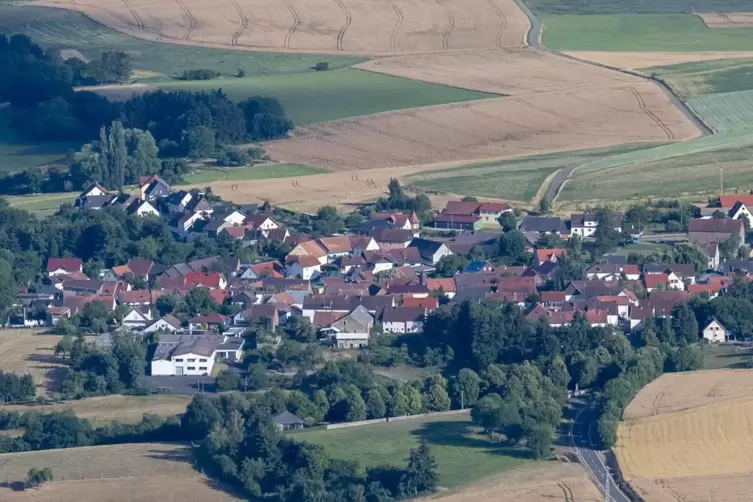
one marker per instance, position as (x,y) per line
(727,19)
(347,26)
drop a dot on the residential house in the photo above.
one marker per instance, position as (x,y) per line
(739,212)
(663,282)
(271,268)
(199,204)
(56,314)
(211,321)
(552,255)
(178,201)
(397,220)
(91,191)
(265,316)
(408,291)
(585,224)
(62,266)
(701,231)
(468,223)
(445,286)
(350,331)
(167,324)
(403,319)
(552,300)
(153,187)
(430,304)
(714,332)
(430,251)
(191,355)
(544,225)
(613,272)
(392,238)
(182,224)
(138,317)
(211,281)
(663,302)
(139,207)
(136,267)
(303,267)
(487,212)
(286,421)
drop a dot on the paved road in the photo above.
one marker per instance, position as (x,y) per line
(590,456)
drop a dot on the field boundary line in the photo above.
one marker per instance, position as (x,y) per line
(192,21)
(348,20)
(396,28)
(502,23)
(136,17)
(243,25)
(450,24)
(652,115)
(293,27)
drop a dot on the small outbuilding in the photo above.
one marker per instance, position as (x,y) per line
(715,332)
(286,421)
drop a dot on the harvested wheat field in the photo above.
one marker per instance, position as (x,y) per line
(28,351)
(485,129)
(347,26)
(120,473)
(689,437)
(103,409)
(638,60)
(727,19)
(545,481)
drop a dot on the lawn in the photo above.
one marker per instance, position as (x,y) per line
(637,6)
(319,96)
(43,204)
(57,28)
(637,32)
(642,249)
(726,356)
(708,77)
(463,454)
(518,179)
(730,111)
(261,172)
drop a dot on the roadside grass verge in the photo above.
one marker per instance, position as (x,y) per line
(464,455)
(640,32)
(319,96)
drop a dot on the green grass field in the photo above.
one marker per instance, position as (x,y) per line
(731,111)
(57,28)
(43,204)
(692,168)
(708,77)
(725,356)
(636,32)
(643,249)
(17,155)
(636,6)
(516,179)
(264,172)
(319,96)
(463,454)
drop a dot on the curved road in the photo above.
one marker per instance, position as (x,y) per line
(533,38)
(590,457)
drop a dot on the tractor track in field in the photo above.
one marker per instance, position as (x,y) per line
(396,28)
(348,20)
(136,17)
(566,491)
(502,23)
(192,21)
(293,27)
(652,115)
(243,25)
(450,24)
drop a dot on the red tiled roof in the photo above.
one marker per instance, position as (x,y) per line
(67,264)
(553,296)
(459,208)
(446,284)
(135,296)
(427,303)
(546,254)
(324,319)
(206,280)
(495,207)
(652,280)
(212,318)
(730,200)
(516,284)
(218,295)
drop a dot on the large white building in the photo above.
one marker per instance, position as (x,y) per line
(193,355)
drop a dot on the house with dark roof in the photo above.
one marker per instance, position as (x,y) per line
(403,319)
(544,224)
(153,188)
(193,355)
(585,224)
(702,231)
(464,222)
(392,238)
(350,331)
(286,421)
(210,321)
(430,251)
(62,266)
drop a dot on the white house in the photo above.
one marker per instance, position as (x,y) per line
(403,319)
(302,266)
(738,211)
(142,208)
(350,331)
(585,224)
(189,355)
(137,317)
(167,324)
(715,332)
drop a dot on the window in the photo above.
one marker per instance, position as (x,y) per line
(202,360)
(192,360)
(179,360)
(191,368)
(202,368)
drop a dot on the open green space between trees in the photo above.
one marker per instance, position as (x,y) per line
(329,95)
(260,172)
(17,154)
(640,32)
(464,454)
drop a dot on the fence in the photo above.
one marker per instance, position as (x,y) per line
(397,419)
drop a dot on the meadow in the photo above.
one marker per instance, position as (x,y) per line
(707,77)
(318,96)
(636,6)
(463,454)
(17,154)
(640,32)
(31,351)
(725,112)
(259,172)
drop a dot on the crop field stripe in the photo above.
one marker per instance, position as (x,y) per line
(644,109)
(398,25)
(348,20)
(293,27)
(726,112)
(502,23)
(450,25)
(136,17)
(191,20)
(243,25)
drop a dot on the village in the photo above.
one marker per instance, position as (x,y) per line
(388,274)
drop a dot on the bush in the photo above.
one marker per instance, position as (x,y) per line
(321,66)
(241,73)
(37,477)
(228,380)
(199,74)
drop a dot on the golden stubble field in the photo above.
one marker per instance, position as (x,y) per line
(727,19)
(689,437)
(119,473)
(345,26)
(29,351)
(538,482)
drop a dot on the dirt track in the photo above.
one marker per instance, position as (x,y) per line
(346,26)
